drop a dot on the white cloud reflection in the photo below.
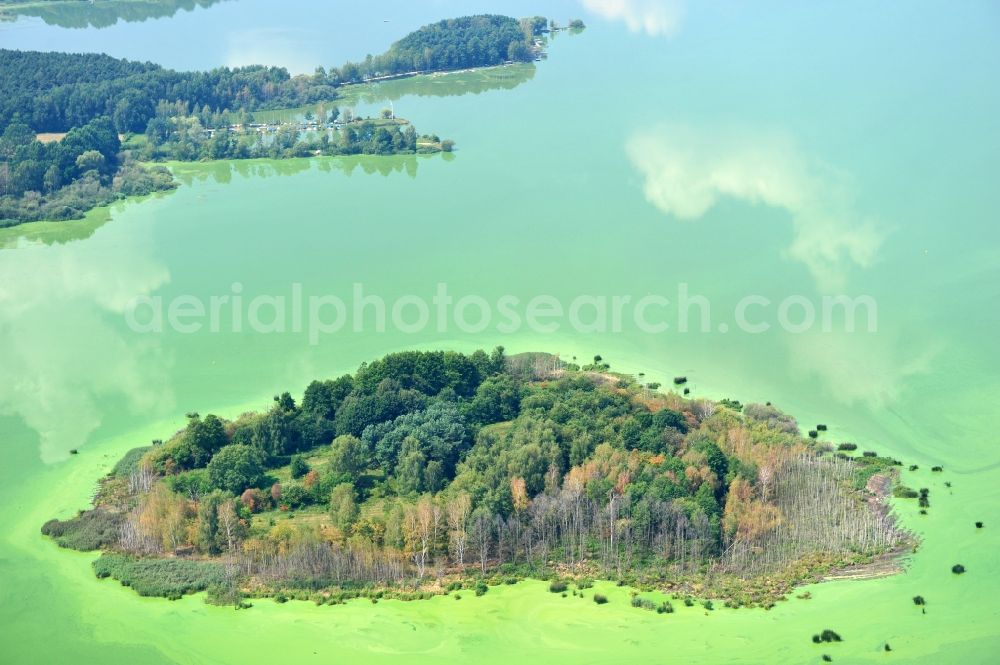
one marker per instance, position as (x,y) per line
(293,49)
(853,369)
(65,354)
(653,17)
(687,171)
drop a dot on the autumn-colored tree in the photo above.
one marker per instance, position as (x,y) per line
(162,518)
(420,525)
(248,499)
(745,517)
(518,494)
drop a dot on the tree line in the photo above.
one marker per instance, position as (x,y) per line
(54,92)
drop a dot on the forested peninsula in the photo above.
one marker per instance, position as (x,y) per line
(78,130)
(426,473)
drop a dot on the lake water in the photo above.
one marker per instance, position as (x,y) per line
(779,150)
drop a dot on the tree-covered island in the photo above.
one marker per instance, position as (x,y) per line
(79,130)
(435,472)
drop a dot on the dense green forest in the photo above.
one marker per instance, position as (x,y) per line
(459,43)
(432,471)
(168,115)
(64,179)
(53,92)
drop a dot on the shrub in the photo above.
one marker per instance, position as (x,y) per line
(600,598)
(914,467)
(826,636)
(298,466)
(481,588)
(958,569)
(192,483)
(733,404)
(821,428)
(256,500)
(688,601)
(937,469)
(813,434)
(167,578)
(887,647)
(129,462)
(680,380)
(904,492)
(224,594)
(979,525)
(90,530)
(870,453)
(847,446)
(919,600)
(708,605)
(558,586)
(295,496)
(585,583)
(643,603)
(665,608)
(827,658)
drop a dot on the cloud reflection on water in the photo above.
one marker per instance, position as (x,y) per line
(860,370)
(687,172)
(297,49)
(59,379)
(653,17)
